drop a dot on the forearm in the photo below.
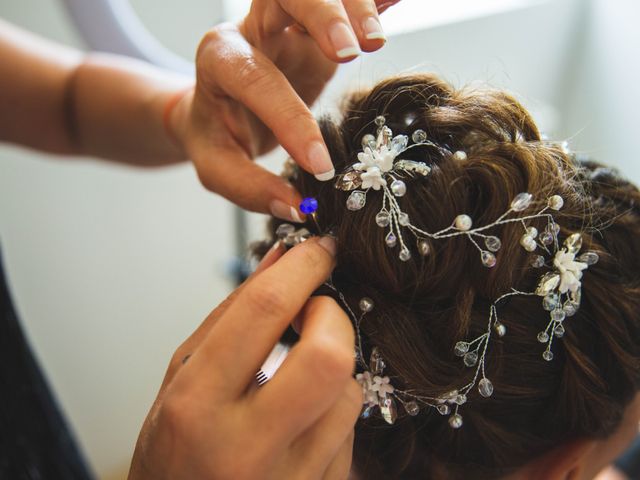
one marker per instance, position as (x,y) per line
(117,108)
(56,99)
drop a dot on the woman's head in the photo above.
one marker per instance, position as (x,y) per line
(424,306)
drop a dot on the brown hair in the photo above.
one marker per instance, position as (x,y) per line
(424,306)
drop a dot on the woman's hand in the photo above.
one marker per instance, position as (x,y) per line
(255,82)
(210,421)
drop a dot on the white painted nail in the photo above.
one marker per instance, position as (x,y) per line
(283,211)
(323,177)
(343,40)
(320,162)
(373,29)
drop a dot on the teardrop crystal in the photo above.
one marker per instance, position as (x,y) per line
(356,200)
(399,143)
(349,181)
(546,238)
(488,259)
(412,408)
(590,258)
(492,243)
(558,315)
(443,409)
(405,254)
(547,355)
(383,218)
(521,202)
(543,337)
(559,331)
(485,387)
(284,229)
(419,136)
(537,261)
(376,363)
(461,348)
(470,359)
(551,301)
(403,219)
(391,240)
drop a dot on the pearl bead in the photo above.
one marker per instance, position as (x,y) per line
(500,329)
(398,188)
(455,421)
(556,202)
(463,222)
(423,247)
(366,304)
(460,156)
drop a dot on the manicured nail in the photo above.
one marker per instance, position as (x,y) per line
(344,41)
(272,251)
(329,244)
(373,29)
(285,212)
(320,162)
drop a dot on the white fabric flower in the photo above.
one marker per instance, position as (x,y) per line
(381,158)
(382,386)
(372,178)
(370,397)
(570,271)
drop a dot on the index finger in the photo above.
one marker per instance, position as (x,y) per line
(228,65)
(239,342)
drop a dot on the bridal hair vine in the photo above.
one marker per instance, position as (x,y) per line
(380,167)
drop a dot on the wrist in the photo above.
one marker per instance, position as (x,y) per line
(175,116)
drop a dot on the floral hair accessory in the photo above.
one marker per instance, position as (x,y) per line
(380,167)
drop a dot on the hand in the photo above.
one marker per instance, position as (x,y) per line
(210,421)
(254,84)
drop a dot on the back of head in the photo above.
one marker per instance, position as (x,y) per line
(424,306)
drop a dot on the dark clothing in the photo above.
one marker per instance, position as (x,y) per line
(629,463)
(35,442)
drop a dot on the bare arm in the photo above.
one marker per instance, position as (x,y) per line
(59,100)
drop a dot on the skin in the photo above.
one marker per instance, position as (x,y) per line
(254,84)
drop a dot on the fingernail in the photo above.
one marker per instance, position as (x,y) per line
(320,162)
(283,211)
(329,244)
(274,248)
(373,29)
(344,41)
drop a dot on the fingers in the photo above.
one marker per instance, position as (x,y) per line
(228,66)
(318,448)
(340,467)
(313,375)
(238,344)
(366,23)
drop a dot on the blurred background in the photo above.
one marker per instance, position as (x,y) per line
(112,267)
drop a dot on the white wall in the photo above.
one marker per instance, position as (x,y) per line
(112,267)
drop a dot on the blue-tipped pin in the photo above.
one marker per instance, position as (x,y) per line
(309,205)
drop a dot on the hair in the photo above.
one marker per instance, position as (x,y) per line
(424,306)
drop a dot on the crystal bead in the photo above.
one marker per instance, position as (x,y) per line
(398,188)
(284,229)
(559,331)
(419,136)
(590,258)
(537,261)
(366,304)
(380,120)
(308,205)
(551,301)
(543,337)
(573,243)
(569,309)
(470,359)
(356,200)
(460,399)
(455,420)
(548,283)
(485,387)
(383,218)
(521,202)
(423,247)
(399,144)
(547,238)
(532,232)
(553,228)
(558,315)
(412,408)
(500,329)
(367,139)
(463,222)
(349,181)
(461,348)
(460,156)
(556,202)
(488,259)
(376,363)
(547,355)
(391,240)
(366,413)
(389,410)
(403,219)
(443,409)
(405,254)
(492,243)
